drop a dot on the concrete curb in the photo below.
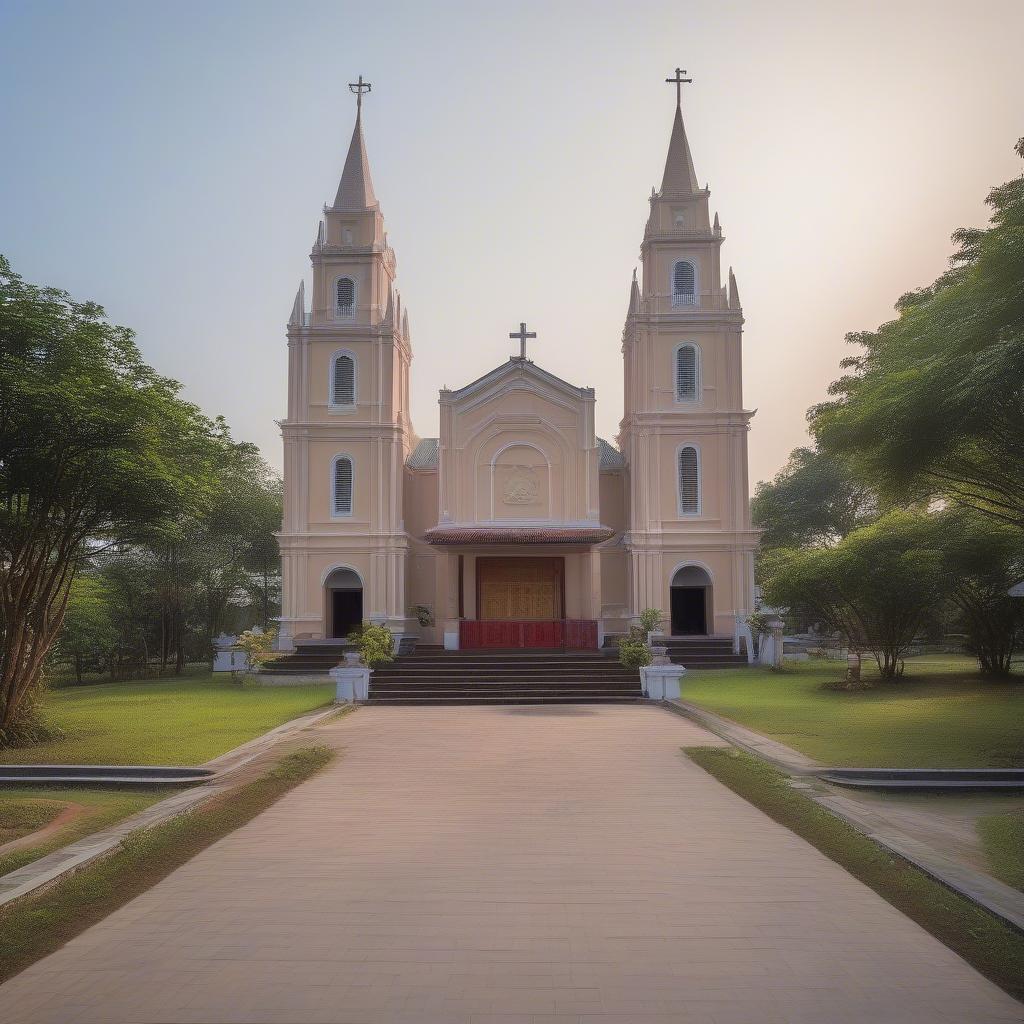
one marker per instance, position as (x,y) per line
(998,899)
(78,854)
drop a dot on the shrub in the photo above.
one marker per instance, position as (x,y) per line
(650,620)
(375,644)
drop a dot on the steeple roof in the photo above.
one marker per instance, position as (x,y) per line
(679,177)
(356,189)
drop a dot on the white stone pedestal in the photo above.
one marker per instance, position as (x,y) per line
(662,682)
(351,679)
(227,657)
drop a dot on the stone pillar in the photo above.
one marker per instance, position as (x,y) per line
(351,679)
(776,626)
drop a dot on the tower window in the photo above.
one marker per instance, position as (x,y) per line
(343,380)
(687,373)
(345,296)
(689,481)
(341,486)
(684,284)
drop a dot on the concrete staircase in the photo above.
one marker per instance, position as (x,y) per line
(697,652)
(310,658)
(435,676)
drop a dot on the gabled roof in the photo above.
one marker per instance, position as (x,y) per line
(609,458)
(521,368)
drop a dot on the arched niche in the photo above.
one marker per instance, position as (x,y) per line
(343,599)
(691,599)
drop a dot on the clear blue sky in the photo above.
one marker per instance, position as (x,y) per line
(170,162)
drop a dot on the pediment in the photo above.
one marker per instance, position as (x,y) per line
(517,375)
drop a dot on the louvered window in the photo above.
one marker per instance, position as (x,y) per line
(346,295)
(342,486)
(689,482)
(686,373)
(343,381)
(684,284)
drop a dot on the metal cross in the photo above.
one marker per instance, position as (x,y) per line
(522,334)
(359,88)
(679,82)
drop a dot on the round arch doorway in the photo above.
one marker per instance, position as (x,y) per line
(344,593)
(691,601)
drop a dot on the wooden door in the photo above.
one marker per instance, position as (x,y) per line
(519,589)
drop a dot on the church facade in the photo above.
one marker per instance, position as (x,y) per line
(517,526)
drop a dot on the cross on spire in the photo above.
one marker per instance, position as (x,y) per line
(679,82)
(359,88)
(522,334)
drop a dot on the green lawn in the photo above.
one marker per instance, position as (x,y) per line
(163,721)
(941,714)
(100,808)
(1002,837)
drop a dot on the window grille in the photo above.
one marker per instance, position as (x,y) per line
(684,284)
(686,373)
(689,482)
(343,486)
(343,383)
(346,296)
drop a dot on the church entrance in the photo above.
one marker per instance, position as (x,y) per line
(690,598)
(520,589)
(344,590)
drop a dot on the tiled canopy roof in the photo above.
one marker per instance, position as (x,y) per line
(425,455)
(517,535)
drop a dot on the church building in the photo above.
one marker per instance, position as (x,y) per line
(517,526)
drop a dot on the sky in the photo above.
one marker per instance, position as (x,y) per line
(171,163)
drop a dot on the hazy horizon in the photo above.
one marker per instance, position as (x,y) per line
(174,168)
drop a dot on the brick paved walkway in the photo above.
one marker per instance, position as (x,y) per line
(504,866)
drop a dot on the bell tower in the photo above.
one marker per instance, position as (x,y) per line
(347,434)
(684,429)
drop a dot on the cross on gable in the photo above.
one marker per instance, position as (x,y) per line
(679,82)
(522,334)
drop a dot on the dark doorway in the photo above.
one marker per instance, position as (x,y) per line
(689,611)
(346,611)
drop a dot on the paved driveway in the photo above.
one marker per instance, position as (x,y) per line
(503,866)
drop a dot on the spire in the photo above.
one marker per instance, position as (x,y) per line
(298,307)
(356,189)
(389,313)
(679,177)
(634,296)
(734,292)
(405,324)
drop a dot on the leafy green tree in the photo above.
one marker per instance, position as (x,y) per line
(933,405)
(95,448)
(813,500)
(875,587)
(88,636)
(983,558)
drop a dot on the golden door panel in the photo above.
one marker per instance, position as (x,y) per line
(519,588)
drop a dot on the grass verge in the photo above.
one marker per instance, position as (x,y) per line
(39,924)
(1002,838)
(100,808)
(941,714)
(989,945)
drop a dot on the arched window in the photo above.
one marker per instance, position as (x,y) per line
(684,284)
(687,373)
(343,380)
(689,481)
(345,296)
(341,486)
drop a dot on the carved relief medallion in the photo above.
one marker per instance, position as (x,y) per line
(522,486)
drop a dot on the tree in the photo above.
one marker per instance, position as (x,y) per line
(814,500)
(88,636)
(982,560)
(95,448)
(934,404)
(875,587)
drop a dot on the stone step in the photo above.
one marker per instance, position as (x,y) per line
(451,701)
